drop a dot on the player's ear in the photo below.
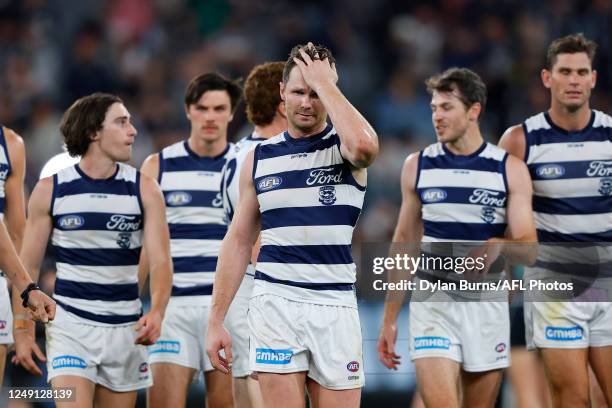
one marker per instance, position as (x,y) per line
(282,110)
(282,90)
(546,77)
(187,112)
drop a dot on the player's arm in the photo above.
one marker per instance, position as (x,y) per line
(406,238)
(359,142)
(513,141)
(14,212)
(150,167)
(156,244)
(37,230)
(233,260)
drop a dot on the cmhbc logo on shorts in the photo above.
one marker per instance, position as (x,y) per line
(68,361)
(431,342)
(564,333)
(273,356)
(165,346)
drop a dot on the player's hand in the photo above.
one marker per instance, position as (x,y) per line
(386,346)
(41,306)
(217,339)
(316,72)
(488,252)
(25,347)
(149,328)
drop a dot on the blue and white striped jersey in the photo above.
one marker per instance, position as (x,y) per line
(463,197)
(5,172)
(572,179)
(97,238)
(191,185)
(309,203)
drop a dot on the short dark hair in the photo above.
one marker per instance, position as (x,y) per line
(323,51)
(212,81)
(83,119)
(570,44)
(469,85)
(261,92)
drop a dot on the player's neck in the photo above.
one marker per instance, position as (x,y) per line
(98,167)
(570,121)
(205,148)
(273,129)
(467,144)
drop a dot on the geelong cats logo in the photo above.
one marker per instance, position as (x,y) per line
(327,195)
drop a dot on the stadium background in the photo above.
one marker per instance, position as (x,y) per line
(52,52)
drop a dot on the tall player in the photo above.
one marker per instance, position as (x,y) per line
(189,173)
(304,190)
(459,189)
(569,154)
(12,213)
(266,112)
(99,213)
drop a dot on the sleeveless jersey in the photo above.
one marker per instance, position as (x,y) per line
(191,185)
(309,203)
(5,172)
(97,238)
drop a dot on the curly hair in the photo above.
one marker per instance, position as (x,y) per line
(83,119)
(261,92)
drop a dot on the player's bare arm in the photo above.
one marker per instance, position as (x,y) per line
(409,231)
(37,231)
(359,140)
(513,141)
(233,260)
(150,167)
(157,246)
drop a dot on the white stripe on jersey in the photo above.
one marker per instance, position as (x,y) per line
(462,213)
(194,215)
(446,178)
(103,274)
(185,280)
(195,247)
(301,161)
(581,187)
(304,272)
(101,307)
(93,202)
(566,152)
(308,197)
(566,224)
(91,239)
(191,180)
(308,235)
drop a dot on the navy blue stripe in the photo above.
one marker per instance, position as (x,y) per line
(196,198)
(448,162)
(463,231)
(566,170)
(546,236)
(306,285)
(2,204)
(187,264)
(96,291)
(199,290)
(97,256)
(189,163)
(460,195)
(108,319)
(306,254)
(197,231)
(267,151)
(83,186)
(573,206)
(6,152)
(308,216)
(315,177)
(96,221)
(599,270)
(547,136)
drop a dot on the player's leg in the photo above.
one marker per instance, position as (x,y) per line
(218,389)
(2,362)
(283,390)
(481,389)
(82,388)
(600,358)
(254,392)
(438,381)
(567,374)
(170,385)
(321,397)
(106,398)
(528,379)
(240,391)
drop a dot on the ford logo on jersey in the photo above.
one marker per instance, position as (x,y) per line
(600,168)
(431,342)
(353,366)
(68,361)
(487,197)
(550,171)
(70,222)
(273,356)
(178,198)
(564,333)
(433,195)
(269,183)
